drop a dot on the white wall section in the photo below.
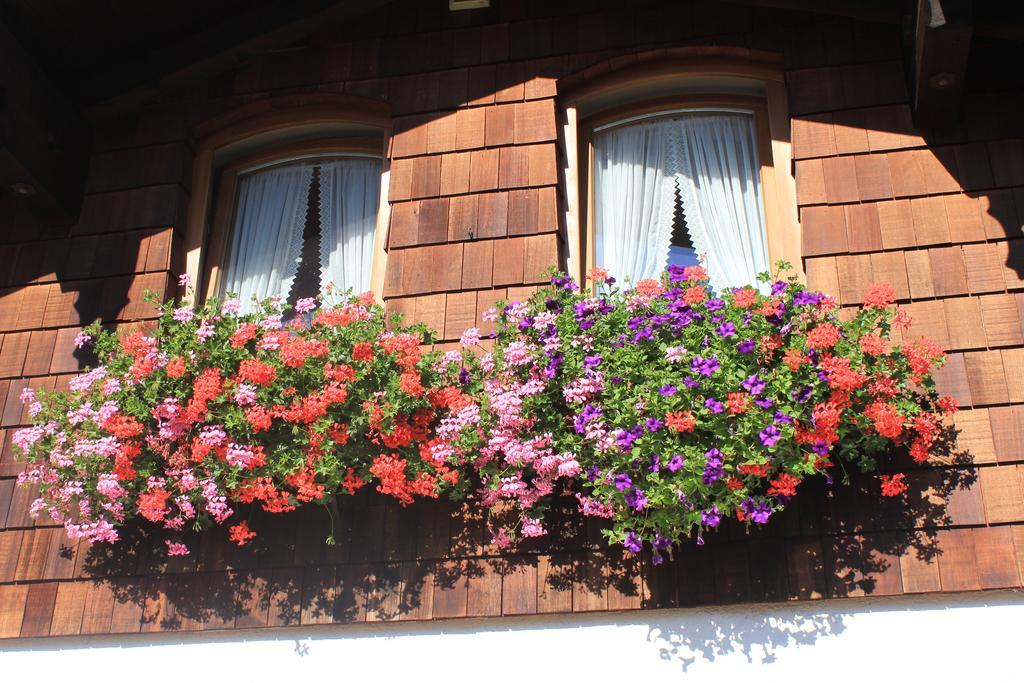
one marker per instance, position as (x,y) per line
(937,637)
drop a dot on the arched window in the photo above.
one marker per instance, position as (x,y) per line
(678,163)
(288,200)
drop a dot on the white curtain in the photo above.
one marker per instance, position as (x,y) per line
(266,242)
(720,191)
(634,199)
(349,195)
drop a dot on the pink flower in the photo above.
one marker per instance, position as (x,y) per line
(176,548)
(305,305)
(490,315)
(674,354)
(184,280)
(231,306)
(245,395)
(205,331)
(82,339)
(532,527)
(470,337)
(183,314)
(272,322)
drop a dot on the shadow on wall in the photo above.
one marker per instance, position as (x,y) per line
(431,560)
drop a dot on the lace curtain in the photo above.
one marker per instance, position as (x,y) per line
(712,160)
(349,195)
(266,237)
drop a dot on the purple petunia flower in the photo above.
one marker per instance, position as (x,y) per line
(655,465)
(710,518)
(588,413)
(667,390)
(714,405)
(623,481)
(758,510)
(636,499)
(801,394)
(593,473)
(690,382)
(676,463)
(770,435)
(726,329)
(551,370)
(625,438)
(765,403)
(782,418)
(633,543)
(705,366)
(463,376)
(653,424)
(713,469)
(754,384)
(661,542)
(779,287)
(805,298)
(820,447)
(746,346)
(591,362)
(714,304)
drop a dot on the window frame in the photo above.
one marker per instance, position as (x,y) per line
(614,90)
(666,108)
(226,196)
(270,124)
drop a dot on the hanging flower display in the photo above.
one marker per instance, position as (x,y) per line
(664,407)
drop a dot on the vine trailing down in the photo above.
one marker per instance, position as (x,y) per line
(664,407)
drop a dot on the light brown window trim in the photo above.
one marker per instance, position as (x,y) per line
(226,199)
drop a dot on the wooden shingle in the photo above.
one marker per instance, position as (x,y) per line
(12,609)
(963,314)
(810,182)
(873,180)
(907,175)
(930,223)
(984,268)
(863,227)
(896,222)
(949,275)
(1001,319)
(975,434)
(840,180)
(813,136)
(534,121)
(824,230)
(996,557)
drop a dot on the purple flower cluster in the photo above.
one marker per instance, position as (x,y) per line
(758,510)
(714,469)
(705,366)
(770,435)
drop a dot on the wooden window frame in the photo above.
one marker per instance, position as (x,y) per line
(772,126)
(265,125)
(226,199)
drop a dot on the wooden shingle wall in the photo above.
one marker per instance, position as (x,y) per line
(475,206)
